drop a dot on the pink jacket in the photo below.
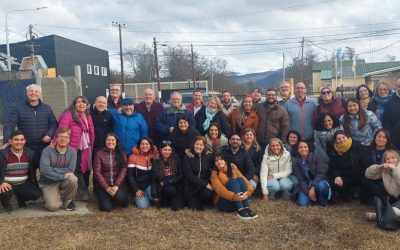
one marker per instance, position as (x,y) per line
(77,129)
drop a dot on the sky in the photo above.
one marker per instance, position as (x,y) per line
(251,36)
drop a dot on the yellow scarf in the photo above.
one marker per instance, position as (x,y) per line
(341,149)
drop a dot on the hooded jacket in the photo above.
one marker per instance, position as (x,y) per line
(139,168)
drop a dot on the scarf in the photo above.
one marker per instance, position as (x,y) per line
(84,145)
(215,143)
(209,116)
(364,102)
(380,107)
(344,148)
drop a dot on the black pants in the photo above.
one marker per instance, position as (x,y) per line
(198,200)
(371,188)
(26,191)
(171,196)
(345,192)
(107,202)
(83,179)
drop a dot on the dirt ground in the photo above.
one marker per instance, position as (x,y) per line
(281,225)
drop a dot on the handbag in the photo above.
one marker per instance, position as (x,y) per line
(385,215)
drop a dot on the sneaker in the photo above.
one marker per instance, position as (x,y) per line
(370,216)
(243,214)
(70,206)
(7,210)
(251,213)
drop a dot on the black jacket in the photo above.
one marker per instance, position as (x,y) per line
(103,124)
(391,119)
(34,121)
(175,179)
(182,141)
(256,157)
(219,118)
(3,163)
(241,159)
(197,171)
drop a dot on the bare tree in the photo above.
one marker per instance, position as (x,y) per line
(349,53)
(296,66)
(390,58)
(141,63)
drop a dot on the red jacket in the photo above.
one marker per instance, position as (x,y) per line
(190,107)
(106,171)
(335,107)
(150,117)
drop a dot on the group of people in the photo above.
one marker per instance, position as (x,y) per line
(204,154)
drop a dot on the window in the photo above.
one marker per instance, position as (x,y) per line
(88,69)
(103,71)
(96,70)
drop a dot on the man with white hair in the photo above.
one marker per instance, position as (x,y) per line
(35,119)
(102,122)
(284,92)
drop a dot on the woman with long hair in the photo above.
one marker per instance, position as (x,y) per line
(326,126)
(293,137)
(79,121)
(110,169)
(215,139)
(310,172)
(328,102)
(361,124)
(232,189)
(166,187)
(345,165)
(139,171)
(244,117)
(182,137)
(276,168)
(197,166)
(381,97)
(364,95)
(212,113)
(251,145)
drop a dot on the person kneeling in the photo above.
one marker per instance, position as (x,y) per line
(17,173)
(57,179)
(110,168)
(232,189)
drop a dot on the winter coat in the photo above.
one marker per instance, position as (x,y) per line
(168,118)
(281,99)
(317,172)
(277,166)
(218,183)
(364,136)
(77,129)
(150,117)
(107,172)
(223,141)
(191,107)
(391,118)
(348,165)
(175,179)
(129,129)
(274,122)
(197,171)
(335,108)
(256,156)
(3,163)
(103,124)
(219,118)
(34,121)
(391,179)
(111,104)
(241,159)
(252,121)
(377,105)
(228,109)
(140,169)
(321,139)
(300,116)
(182,141)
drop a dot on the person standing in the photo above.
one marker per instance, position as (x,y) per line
(274,120)
(149,109)
(102,122)
(328,102)
(115,97)
(79,121)
(57,179)
(35,119)
(17,173)
(300,110)
(364,95)
(212,113)
(284,93)
(381,97)
(391,116)
(244,117)
(256,95)
(197,102)
(227,105)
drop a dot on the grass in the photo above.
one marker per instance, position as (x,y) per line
(281,225)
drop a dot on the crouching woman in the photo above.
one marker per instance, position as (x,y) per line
(110,168)
(311,174)
(232,189)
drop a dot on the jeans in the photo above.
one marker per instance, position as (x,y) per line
(284,184)
(323,195)
(144,202)
(236,186)
(253,184)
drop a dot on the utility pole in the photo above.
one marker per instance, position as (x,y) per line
(157,69)
(301,61)
(119,25)
(32,49)
(284,73)
(193,74)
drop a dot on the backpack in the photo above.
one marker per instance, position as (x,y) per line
(385,215)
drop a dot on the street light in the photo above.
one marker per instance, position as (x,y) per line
(7,42)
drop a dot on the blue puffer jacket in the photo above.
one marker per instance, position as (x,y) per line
(34,121)
(168,118)
(129,129)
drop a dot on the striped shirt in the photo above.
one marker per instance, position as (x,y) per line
(17,168)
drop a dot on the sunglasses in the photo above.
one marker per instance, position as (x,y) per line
(166,143)
(326,92)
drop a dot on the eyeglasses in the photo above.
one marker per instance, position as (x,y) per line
(326,92)
(166,143)
(114,89)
